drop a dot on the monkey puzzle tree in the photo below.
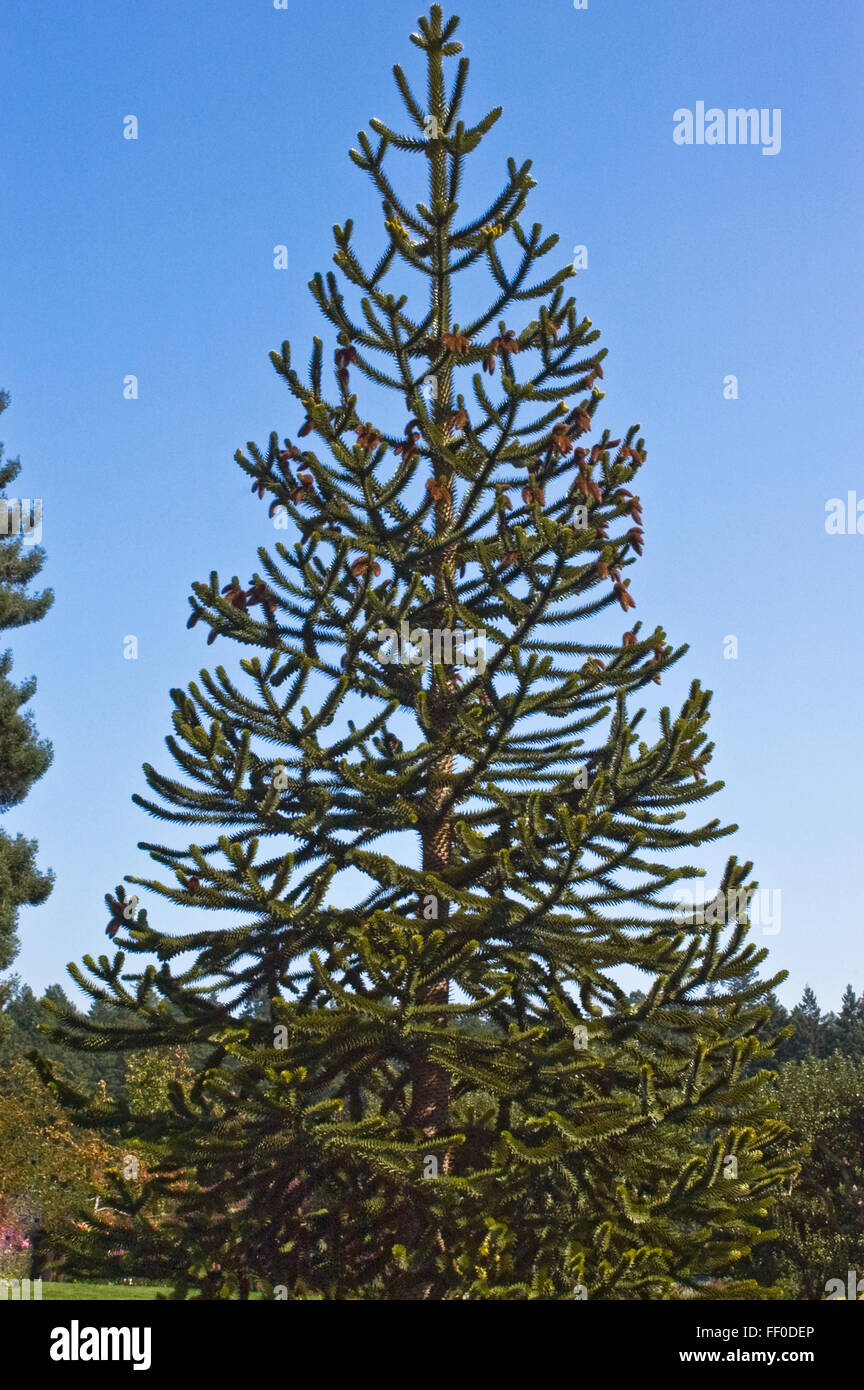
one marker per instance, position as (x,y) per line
(820,1218)
(427,1076)
(23,756)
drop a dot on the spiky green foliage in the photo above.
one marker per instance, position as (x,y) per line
(437,871)
(23,756)
(820,1216)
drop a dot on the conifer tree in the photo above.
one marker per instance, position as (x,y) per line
(443,858)
(810,1030)
(23,755)
(820,1218)
(849,1026)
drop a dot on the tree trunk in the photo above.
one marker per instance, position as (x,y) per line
(430,1084)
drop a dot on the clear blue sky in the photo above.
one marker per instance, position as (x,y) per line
(155,257)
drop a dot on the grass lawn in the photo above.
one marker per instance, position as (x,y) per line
(108,1293)
(102,1293)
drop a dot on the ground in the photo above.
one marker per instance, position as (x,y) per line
(100,1292)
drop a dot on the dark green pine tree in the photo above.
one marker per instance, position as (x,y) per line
(23,755)
(848,1028)
(428,1075)
(811,1028)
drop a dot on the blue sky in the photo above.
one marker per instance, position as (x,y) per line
(154,257)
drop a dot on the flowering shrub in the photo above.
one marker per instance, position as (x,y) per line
(14,1244)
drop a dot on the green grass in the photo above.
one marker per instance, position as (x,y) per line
(106,1293)
(101,1293)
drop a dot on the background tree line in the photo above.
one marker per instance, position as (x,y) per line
(53,1173)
